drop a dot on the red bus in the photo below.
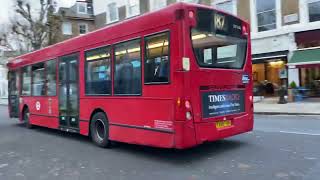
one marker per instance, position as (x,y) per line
(173,78)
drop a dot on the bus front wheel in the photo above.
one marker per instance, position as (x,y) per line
(99,130)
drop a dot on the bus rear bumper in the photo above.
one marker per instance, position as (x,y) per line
(208,132)
(189,134)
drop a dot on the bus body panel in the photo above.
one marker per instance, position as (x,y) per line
(153,118)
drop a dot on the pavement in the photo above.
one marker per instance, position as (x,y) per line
(280,148)
(309,106)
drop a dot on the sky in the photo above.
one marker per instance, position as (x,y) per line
(6,7)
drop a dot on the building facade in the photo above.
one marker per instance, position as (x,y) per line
(74,21)
(283,32)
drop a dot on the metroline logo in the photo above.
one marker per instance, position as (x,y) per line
(223,98)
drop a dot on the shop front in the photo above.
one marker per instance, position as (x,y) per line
(269,73)
(307,61)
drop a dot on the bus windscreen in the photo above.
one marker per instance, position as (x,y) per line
(218,40)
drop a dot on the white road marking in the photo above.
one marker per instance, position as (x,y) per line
(299,133)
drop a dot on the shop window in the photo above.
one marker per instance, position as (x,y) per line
(314,10)
(26,81)
(266,14)
(51,77)
(127,73)
(38,80)
(98,71)
(156,64)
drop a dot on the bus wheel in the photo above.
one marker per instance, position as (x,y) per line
(26,116)
(99,130)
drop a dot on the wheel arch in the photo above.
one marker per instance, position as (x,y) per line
(96,110)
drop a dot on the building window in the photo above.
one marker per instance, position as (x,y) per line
(229,6)
(51,78)
(156,64)
(82,8)
(157,4)
(26,81)
(189,1)
(266,14)
(112,13)
(38,80)
(66,28)
(98,71)
(83,28)
(133,8)
(314,10)
(127,72)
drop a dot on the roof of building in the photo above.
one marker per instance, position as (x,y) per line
(72,13)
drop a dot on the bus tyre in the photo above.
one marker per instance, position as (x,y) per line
(26,118)
(99,129)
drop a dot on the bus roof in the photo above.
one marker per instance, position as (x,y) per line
(117,30)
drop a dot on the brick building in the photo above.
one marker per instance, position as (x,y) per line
(74,21)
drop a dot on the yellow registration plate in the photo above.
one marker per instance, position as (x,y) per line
(223,124)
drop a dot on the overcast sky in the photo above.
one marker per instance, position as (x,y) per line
(6,7)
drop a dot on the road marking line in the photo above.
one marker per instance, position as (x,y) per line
(300,133)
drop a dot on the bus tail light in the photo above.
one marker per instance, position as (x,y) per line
(245,30)
(251,99)
(183,109)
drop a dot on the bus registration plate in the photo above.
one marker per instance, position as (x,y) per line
(223,124)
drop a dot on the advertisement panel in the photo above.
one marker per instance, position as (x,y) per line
(222,103)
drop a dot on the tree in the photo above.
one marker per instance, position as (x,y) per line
(31,25)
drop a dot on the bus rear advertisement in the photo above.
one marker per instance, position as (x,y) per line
(175,82)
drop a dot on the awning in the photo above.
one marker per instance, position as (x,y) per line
(266,57)
(305,58)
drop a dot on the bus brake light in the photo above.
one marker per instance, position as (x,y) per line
(244,30)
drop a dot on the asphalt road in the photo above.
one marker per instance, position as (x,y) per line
(281,147)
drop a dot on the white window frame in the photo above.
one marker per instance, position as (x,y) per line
(83,24)
(254,19)
(189,1)
(130,5)
(108,13)
(63,29)
(153,7)
(234,5)
(85,7)
(304,10)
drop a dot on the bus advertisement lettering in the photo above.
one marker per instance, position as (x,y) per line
(222,103)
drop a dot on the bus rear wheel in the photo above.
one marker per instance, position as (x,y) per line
(26,118)
(99,130)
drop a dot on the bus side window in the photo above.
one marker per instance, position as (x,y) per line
(38,80)
(127,77)
(26,81)
(157,58)
(98,71)
(51,78)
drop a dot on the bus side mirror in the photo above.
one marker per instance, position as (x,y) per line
(186,64)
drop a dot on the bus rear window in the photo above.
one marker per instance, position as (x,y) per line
(218,44)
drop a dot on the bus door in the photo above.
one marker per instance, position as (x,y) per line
(68,93)
(13,94)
